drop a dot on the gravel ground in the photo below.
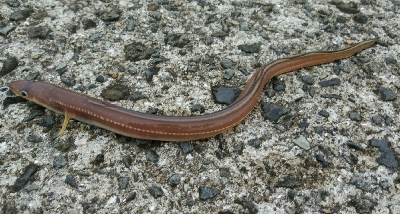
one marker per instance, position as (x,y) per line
(333,149)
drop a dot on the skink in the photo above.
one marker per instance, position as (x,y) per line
(170,128)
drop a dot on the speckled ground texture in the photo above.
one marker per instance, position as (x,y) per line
(335,150)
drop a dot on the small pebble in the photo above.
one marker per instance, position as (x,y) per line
(207,193)
(156,192)
(70,180)
(302,142)
(174,180)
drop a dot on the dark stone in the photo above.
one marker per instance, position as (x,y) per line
(5,30)
(59,162)
(182,52)
(156,192)
(332,96)
(95,37)
(34,113)
(196,59)
(61,71)
(220,34)
(85,205)
(94,200)
(98,159)
(152,156)
(341,19)
(154,27)
(309,80)
(197,107)
(20,15)
(303,123)
(291,194)
(127,161)
(337,69)
(63,145)
(355,146)
(323,113)
(207,193)
(273,112)
(34,139)
(91,86)
(174,180)
(256,143)
(388,157)
(226,63)
(99,12)
(220,154)
(377,119)
(239,148)
(8,65)
(115,92)
(321,159)
(130,197)
(388,120)
(150,72)
(390,60)
(343,132)
(111,16)
(153,111)
(347,8)
(137,96)
(88,23)
(190,202)
(130,26)
(224,94)
(331,82)
(225,173)
(72,28)
(355,116)
(137,51)
(70,180)
(68,81)
(23,179)
(123,183)
(250,48)
(278,85)
(177,40)
(13,3)
(271,93)
(386,94)
(360,18)
(47,121)
(38,32)
(229,73)
(77,51)
(100,79)
(156,15)
(243,70)
(133,70)
(171,8)
(186,147)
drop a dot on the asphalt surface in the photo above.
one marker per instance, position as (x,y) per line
(333,146)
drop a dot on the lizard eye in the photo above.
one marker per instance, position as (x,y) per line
(24,93)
